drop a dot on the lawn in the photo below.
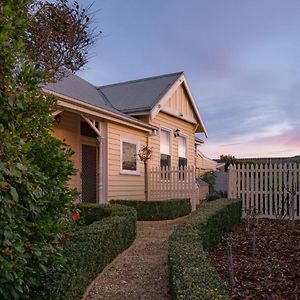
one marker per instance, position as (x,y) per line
(274,271)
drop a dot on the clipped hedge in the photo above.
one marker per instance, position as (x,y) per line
(158,210)
(90,213)
(90,249)
(191,274)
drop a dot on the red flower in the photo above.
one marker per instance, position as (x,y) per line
(76,216)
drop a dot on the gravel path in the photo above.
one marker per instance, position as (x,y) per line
(141,271)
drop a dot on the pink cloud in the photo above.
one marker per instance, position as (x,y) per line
(286,143)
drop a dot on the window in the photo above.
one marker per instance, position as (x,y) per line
(182,151)
(129,162)
(165,148)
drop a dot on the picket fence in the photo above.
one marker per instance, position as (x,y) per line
(271,190)
(175,183)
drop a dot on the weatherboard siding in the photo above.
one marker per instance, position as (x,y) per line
(179,103)
(68,130)
(165,121)
(123,186)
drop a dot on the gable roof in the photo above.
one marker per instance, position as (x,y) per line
(74,88)
(138,95)
(77,88)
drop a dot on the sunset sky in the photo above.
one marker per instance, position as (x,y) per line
(241,58)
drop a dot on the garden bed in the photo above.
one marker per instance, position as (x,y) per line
(274,272)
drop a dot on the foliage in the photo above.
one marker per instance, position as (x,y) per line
(158,210)
(210,178)
(89,250)
(60,35)
(191,274)
(145,153)
(94,212)
(34,167)
(228,160)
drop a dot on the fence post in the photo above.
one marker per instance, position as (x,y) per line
(231,182)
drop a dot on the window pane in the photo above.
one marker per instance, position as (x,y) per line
(165,142)
(182,162)
(165,160)
(182,151)
(129,156)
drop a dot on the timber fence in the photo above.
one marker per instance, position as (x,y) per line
(268,190)
(175,183)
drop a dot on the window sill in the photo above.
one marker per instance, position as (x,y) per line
(128,172)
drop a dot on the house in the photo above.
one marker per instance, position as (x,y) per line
(205,164)
(106,127)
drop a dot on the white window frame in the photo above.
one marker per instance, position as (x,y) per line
(137,144)
(187,143)
(171,144)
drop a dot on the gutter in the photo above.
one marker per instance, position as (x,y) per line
(82,107)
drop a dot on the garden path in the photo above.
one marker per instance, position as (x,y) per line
(141,271)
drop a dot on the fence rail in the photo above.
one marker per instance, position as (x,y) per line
(169,183)
(271,190)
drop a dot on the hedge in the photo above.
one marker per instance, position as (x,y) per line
(90,213)
(158,210)
(90,249)
(191,274)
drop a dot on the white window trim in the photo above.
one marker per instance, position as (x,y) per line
(187,145)
(171,141)
(138,167)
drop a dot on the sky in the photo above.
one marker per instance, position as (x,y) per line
(241,59)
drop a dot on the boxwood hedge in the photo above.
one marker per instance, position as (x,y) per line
(112,229)
(158,210)
(191,275)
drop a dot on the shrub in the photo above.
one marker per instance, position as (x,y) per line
(191,274)
(93,212)
(158,210)
(89,250)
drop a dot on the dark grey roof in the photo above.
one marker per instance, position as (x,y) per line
(79,89)
(138,95)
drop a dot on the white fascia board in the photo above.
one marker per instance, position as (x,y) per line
(194,104)
(155,110)
(82,107)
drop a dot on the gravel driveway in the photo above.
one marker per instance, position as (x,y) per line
(141,271)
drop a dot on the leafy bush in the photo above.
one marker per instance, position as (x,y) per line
(34,167)
(89,250)
(210,178)
(158,210)
(191,274)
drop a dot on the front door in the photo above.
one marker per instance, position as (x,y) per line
(89,174)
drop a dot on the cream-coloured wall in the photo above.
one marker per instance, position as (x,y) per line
(68,130)
(204,165)
(179,103)
(123,186)
(163,120)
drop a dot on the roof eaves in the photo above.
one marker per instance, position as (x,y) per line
(165,90)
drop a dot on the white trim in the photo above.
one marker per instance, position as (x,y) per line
(186,144)
(178,115)
(89,109)
(171,144)
(136,142)
(57,112)
(155,110)
(181,80)
(92,124)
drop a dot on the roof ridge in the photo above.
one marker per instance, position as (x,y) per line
(138,80)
